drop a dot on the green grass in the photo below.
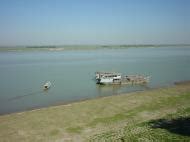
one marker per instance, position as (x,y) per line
(54,132)
(108,120)
(146,131)
(155,115)
(76,129)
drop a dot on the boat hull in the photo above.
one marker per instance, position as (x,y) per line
(47,85)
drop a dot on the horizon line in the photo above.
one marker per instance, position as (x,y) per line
(59,45)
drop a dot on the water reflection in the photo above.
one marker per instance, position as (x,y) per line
(29,94)
(106,90)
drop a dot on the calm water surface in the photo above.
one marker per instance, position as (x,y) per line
(22,74)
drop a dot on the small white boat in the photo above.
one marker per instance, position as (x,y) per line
(47,85)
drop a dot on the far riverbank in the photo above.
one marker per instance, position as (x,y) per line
(84,47)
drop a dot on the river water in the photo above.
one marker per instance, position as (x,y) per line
(72,72)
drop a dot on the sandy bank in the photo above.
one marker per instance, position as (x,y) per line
(117,118)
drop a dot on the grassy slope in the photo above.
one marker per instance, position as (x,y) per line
(156,115)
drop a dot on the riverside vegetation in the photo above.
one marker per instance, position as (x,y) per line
(156,115)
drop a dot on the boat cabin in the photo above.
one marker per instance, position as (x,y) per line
(107,77)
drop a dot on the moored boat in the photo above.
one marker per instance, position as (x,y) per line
(107,77)
(117,78)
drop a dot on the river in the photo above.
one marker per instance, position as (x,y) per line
(72,72)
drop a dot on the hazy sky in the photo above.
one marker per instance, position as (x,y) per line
(43,22)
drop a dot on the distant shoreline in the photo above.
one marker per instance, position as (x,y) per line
(84,47)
